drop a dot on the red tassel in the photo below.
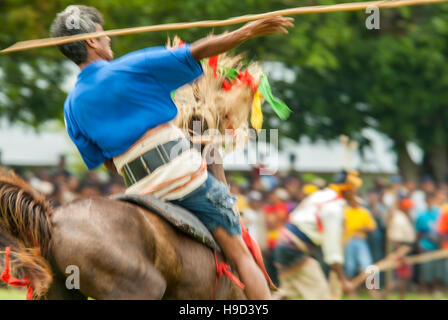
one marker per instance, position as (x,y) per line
(213,62)
(227,85)
(29,292)
(246,78)
(10,280)
(255,250)
(243,78)
(222,268)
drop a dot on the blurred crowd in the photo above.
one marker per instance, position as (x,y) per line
(390,213)
(60,186)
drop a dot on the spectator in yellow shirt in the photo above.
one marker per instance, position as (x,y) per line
(358,223)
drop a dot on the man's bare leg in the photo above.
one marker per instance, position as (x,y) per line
(236,251)
(234,247)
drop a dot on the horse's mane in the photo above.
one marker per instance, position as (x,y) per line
(24,212)
(26,229)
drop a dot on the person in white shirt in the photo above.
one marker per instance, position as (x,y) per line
(316,224)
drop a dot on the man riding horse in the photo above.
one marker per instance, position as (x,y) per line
(119,114)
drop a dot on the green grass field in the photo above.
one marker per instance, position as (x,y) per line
(12,294)
(18,294)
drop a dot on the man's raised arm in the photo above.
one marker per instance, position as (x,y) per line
(209,47)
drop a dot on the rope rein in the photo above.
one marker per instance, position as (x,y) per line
(223,268)
(7,278)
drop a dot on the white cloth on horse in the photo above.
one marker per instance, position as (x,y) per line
(173,180)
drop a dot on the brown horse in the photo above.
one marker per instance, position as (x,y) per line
(121,250)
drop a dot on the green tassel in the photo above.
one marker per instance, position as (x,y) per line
(280,108)
(231,73)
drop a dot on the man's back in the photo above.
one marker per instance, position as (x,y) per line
(114,103)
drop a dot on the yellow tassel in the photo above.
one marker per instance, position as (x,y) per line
(256,117)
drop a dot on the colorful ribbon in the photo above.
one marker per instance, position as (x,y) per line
(256,117)
(279,107)
(234,77)
(223,268)
(213,62)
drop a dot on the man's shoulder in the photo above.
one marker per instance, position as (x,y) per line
(136,55)
(89,88)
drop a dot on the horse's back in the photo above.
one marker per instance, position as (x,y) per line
(124,251)
(112,244)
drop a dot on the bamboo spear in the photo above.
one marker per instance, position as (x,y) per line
(392,261)
(385,264)
(47,42)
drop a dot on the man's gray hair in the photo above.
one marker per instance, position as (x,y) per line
(75,19)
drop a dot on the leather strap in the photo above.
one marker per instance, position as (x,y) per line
(148,162)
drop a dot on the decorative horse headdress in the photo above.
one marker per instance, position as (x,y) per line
(224,98)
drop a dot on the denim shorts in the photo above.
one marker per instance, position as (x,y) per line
(214,205)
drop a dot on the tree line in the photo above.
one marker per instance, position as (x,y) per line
(346,77)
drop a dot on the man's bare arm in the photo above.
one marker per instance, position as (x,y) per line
(209,47)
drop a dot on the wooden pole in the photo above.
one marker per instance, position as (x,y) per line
(47,42)
(383,264)
(421,258)
(392,261)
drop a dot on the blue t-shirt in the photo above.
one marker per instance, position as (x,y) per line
(114,103)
